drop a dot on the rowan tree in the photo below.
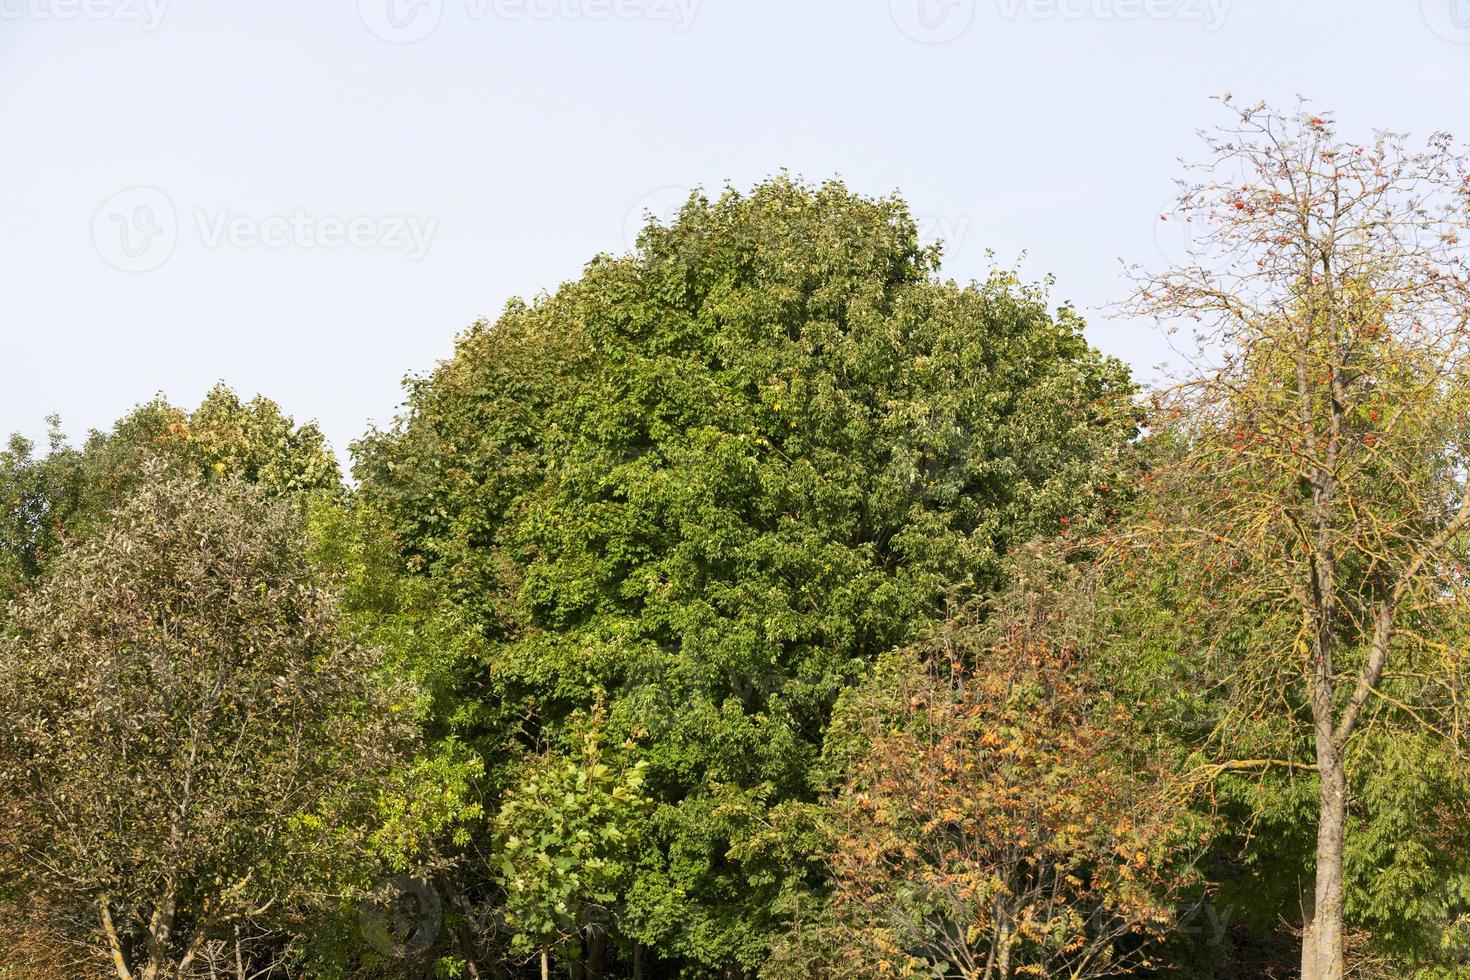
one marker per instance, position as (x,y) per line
(1313,491)
(1000,817)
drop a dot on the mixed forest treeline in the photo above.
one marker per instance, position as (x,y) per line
(762,605)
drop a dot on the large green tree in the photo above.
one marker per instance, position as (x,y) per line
(712,481)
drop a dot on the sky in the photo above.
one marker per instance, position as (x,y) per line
(309,199)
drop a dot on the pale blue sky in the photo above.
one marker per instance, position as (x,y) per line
(296,197)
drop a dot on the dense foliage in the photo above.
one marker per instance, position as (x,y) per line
(995,816)
(193,741)
(566,837)
(69,494)
(712,482)
(762,605)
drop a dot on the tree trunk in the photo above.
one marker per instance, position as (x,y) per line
(1322,936)
(637,960)
(114,944)
(1322,955)
(1003,961)
(596,952)
(545,964)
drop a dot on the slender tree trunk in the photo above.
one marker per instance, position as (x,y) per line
(596,952)
(1322,953)
(998,962)
(637,960)
(1322,938)
(1003,961)
(192,953)
(160,929)
(545,964)
(114,944)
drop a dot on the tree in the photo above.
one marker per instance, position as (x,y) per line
(71,493)
(36,494)
(997,815)
(711,482)
(1315,480)
(566,838)
(191,740)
